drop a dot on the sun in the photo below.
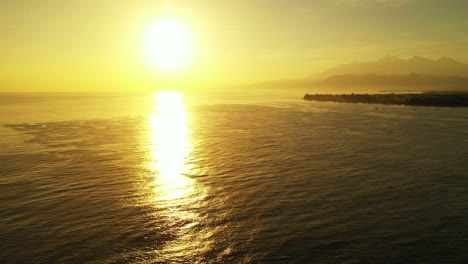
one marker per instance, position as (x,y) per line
(168,45)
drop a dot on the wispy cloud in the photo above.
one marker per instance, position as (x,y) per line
(374,2)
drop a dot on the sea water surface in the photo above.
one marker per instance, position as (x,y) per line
(173,177)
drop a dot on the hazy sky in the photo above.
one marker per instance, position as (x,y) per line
(97,44)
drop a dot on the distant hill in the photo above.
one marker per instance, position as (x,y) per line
(388,73)
(411,80)
(396,66)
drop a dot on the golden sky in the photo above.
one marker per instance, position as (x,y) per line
(96,45)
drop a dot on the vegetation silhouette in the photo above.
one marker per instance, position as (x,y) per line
(424,99)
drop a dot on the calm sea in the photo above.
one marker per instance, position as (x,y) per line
(188,178)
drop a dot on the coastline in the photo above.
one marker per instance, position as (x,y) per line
(412,99)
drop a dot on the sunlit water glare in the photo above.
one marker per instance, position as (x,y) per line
(170,158)
(170,147)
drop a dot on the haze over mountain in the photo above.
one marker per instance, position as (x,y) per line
(413,81)
(390,65)
(416,73)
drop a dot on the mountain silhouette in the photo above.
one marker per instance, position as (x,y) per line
(390,65)
(410,80)
(389,73)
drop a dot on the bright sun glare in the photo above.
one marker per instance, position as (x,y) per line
(168,45)
(171,143)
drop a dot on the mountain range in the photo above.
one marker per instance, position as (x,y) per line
(396,66)
(415,81)
(416,73)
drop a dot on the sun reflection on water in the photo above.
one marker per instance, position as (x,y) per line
(170,153)
(171,147)
(177,196)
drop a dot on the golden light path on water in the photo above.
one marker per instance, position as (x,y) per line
(171,146)
(178,196)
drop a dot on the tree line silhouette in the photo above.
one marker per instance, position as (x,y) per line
(425,99)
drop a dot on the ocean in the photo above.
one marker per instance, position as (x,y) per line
(173,177)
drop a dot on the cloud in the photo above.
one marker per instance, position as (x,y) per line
(373,2)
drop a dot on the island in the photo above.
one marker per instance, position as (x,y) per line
(456,99)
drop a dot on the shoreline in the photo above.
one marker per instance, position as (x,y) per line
(412,99)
